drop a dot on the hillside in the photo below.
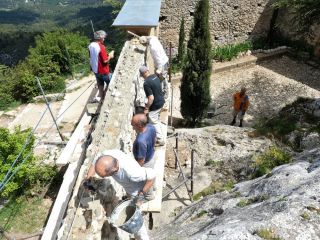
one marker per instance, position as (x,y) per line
(21,21)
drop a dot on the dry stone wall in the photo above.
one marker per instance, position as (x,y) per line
(230,20)
(86,217)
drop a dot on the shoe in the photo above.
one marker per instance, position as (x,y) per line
(160,143)
(233,122)
(240,125)
(96,100)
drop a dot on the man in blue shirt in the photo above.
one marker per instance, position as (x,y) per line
(143,146)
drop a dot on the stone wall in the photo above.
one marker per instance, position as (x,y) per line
(86,217)
(230,20)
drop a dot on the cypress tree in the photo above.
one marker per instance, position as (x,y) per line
(195,86)
(182,47)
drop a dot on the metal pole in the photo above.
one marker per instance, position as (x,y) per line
(45,98)
(176,158)
(184,176)
(92,26)
(192,170)
(170,64)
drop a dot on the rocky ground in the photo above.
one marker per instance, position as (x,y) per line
(271,86)
(282,205)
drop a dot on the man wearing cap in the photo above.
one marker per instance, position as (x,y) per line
(99,61)
(160,59)
(153,91)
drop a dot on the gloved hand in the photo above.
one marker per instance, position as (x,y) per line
(88,185)
(139,199)
(158,71)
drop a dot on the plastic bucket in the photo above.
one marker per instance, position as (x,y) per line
(127,216)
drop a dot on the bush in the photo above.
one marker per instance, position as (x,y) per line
(228,52)
(31,174)
(273,157)
(277,126)
(54,55)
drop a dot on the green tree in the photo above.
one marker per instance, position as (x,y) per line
(182,46)
(54,55)
(307,12)
(195,86)
(30,172)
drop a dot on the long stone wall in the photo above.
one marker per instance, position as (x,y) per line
(230,20)
(86,217)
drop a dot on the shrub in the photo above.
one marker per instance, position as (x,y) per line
(267,234)
(279,126)
(273,157)
(214,188)
(54,55)
(30,173)
(228,52)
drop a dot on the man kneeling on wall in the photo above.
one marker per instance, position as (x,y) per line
(136,180)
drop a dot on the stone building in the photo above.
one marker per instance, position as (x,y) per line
(230,20)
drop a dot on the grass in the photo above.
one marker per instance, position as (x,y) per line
(257,199)
(216,186)
(278,126)
(228,52)
(265,162)
(23,215)
(213,163)
(267,234)
(199,215)
(305,216)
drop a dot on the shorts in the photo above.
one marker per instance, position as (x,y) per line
(103,78)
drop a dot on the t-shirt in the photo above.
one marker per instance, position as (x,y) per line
(143,146)
(131,176)
(98,55)
(157,52)
(152,86)
(241,103)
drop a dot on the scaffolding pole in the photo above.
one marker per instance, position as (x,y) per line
(48,106)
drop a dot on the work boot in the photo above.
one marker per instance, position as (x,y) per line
(233,122)
(240,125)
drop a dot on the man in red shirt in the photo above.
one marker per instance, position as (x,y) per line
(99,61)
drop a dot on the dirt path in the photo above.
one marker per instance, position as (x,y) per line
(28,115)
(271,85)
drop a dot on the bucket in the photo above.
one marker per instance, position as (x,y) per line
(127,216)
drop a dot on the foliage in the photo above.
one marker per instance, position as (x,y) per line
(182,45)
(228,52)
(24,215)
(277,126)
(305,216)
(307,12)
(265,162)
(256,199)
(116,5)
(214,187)
(195,86)
(267,234)
(6,86)
(30,174)
(54,55)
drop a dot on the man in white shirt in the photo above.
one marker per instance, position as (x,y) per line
(126,171)
(160,59)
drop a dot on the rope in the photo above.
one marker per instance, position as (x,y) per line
(6,179)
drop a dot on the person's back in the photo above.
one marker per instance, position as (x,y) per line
(158,54)
(241,101)
(152,86)
(143,146)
